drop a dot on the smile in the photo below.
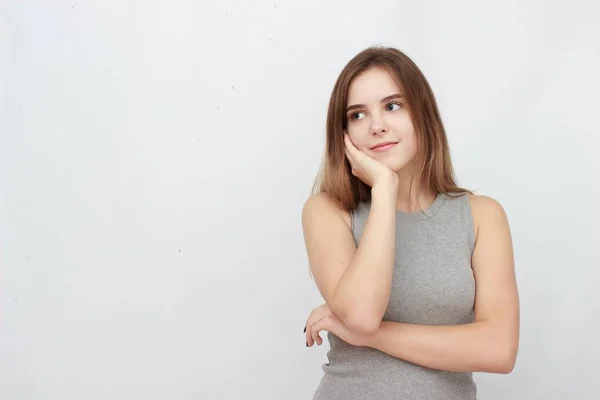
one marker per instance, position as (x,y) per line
(383,146)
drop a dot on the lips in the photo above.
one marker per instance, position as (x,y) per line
(383,146)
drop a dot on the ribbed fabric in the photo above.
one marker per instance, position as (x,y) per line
(433,284)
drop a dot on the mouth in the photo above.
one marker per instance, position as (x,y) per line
(383,146)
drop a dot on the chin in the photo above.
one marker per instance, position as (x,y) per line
(397,165)
(394,165)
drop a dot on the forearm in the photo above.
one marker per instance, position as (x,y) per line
(474,347)
(362,293)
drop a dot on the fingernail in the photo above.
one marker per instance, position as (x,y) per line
(304,329)
(306,344)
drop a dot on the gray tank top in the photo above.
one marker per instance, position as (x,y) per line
(433,284)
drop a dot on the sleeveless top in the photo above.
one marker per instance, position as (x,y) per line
(432,284)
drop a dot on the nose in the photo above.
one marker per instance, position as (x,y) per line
(378,126)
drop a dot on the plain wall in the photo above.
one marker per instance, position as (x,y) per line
(155,157)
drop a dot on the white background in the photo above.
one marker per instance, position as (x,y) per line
(155,157)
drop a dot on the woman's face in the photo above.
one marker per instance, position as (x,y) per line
(378,120)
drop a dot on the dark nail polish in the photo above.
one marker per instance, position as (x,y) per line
(306,344)
(304,329)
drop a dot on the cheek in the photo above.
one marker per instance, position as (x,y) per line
(407,133)
(410,149)
(410,140)
(358,138)
(403,125)
(407,149)
(355,129)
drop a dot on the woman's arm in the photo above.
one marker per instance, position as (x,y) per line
(490,343)
(355,282)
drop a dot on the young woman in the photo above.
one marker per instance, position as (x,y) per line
(417,273)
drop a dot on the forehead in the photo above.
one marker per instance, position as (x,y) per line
(371,86)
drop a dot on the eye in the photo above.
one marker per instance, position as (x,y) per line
(393,106)
(356,116)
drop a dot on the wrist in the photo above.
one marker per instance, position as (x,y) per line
(387,190)
(388,182)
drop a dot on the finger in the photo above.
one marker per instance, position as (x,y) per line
(354,155)
(349,145)
(321,325)
(347,150)
(315,334)
(349,157)
(324,324)
(309,328)
(314,316)
(352,163)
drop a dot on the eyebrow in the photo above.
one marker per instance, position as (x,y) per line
(393,96)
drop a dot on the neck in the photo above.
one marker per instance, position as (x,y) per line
(412,196)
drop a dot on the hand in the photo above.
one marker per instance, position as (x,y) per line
(323,319)
(366,168)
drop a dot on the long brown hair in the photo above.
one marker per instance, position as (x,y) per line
(436,172)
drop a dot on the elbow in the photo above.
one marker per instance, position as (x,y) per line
(503,367)
(360,320)
(502,361)
(506,364)
(364,328)
(362,324)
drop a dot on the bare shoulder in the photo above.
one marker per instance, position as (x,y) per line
(322,206)
(487,212)
(485,207)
